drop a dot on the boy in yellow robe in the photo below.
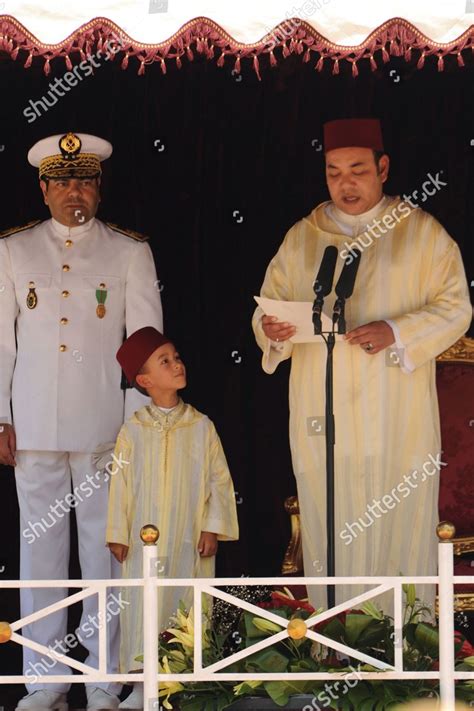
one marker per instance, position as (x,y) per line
(174,474)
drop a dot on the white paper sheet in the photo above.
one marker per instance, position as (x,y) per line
(298,313)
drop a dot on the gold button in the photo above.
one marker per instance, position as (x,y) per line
(69,243)
(62,348)
(65,293)
(64,321)
(66,267)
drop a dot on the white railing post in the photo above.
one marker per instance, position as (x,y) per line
(149,535)
(446,532)
(398,627)
(197,628)
(102,610)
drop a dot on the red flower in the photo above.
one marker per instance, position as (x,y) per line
(332,661)
(466,649)
(279,600)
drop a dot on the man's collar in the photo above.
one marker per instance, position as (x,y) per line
(350,221)
(65,231)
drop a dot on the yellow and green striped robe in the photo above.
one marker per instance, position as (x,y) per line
(177,479)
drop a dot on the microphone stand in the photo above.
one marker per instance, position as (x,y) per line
(339,318)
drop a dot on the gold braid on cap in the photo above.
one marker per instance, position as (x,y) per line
(86,165)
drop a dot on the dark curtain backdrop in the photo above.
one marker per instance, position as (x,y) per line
(240,165)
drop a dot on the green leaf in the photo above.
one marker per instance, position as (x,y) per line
(280,691)
(195,704)
(373,635)
(465,691)
(427,639)
(267,660)
(303,665)
(224,701)
(355,625)
(411,594)
(251,632)
(334,630)
(464,667)
(369,609)
(246,687)
(266,626)
(367,705)
(358,693)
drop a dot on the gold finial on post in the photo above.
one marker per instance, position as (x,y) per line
(297,628)
(149,534)
(445,530)
(5,632)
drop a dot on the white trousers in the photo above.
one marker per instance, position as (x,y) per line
(49,484)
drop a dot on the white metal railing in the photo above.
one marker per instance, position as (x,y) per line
(151,583)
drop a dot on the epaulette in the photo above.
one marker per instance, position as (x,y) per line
(128,233)
(16,230)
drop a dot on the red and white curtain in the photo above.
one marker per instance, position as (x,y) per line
(139,32)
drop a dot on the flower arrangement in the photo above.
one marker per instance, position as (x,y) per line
(367,630)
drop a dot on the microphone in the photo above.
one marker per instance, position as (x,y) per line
(323,284)
(346,281)
(344,289)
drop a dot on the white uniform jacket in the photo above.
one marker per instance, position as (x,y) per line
(57,359)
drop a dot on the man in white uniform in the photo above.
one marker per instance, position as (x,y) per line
(69,288)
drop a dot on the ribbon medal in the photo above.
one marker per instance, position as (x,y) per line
(32,297)
(101,295)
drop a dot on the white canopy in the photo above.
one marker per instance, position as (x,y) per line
(343,22)
(333,29)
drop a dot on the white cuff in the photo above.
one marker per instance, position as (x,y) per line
(277,345)
(406,364)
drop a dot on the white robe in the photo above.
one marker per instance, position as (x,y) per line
(177,479)
(386,409)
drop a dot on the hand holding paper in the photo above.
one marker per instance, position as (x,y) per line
(300,315)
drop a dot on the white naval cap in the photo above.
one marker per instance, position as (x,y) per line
(69,155)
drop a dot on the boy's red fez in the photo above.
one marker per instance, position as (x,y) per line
(136,350)
(353,133)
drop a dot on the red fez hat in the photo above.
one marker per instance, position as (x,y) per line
(355,132)
(137,348)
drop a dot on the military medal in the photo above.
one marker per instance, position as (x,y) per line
(32,298)
(101,295)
